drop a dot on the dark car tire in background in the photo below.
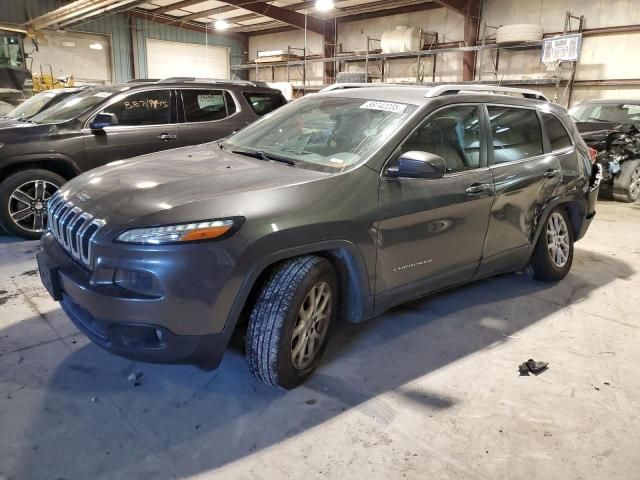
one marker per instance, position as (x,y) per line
(23,197)
(626,186)
(294,312)
(557,233)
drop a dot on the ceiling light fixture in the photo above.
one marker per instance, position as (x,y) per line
(221,24)
(324,5)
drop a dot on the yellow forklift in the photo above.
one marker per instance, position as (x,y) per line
(16,79)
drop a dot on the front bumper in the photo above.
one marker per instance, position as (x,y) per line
(186,324)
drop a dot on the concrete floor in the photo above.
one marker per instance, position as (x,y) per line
(429,390)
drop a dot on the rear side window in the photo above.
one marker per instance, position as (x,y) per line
(556,132)
(231,104)
(203,105)
(516,133)
(263,103)
(143,108)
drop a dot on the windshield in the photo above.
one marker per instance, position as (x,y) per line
(32,106)
(73,106)
(606,112)
(323,133)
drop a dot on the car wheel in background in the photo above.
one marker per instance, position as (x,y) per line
(626,186)
(23,201)
(553,254)
(291,320)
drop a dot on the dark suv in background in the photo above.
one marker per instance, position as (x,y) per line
(106,124)
(37,104)
(341,204)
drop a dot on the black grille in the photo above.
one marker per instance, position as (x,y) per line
(72,228)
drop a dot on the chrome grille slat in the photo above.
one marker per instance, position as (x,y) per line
(73,228)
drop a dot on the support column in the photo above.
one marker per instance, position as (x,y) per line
(329,38)
(471,31)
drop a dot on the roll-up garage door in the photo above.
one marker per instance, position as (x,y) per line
(176,59)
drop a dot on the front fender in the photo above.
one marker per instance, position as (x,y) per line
(15,162)
(357,297)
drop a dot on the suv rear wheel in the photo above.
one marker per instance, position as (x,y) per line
(553,254)
(626,186)
(290,322)
(23,201)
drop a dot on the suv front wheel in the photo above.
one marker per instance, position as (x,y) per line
(23,201)
(291,320)
(553,254)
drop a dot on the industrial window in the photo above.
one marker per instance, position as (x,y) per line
(516,133)
(557,133)
(143,108)
(263,103)
(453,134)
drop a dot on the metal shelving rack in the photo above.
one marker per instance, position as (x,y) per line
(341,59)
(488,35)
(432,48)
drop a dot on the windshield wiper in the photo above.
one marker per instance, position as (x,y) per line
(260,155)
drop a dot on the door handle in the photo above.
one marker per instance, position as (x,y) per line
(478,188)
(167,136)
(551,173)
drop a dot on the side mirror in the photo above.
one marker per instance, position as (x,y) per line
(418,165)
(102,120)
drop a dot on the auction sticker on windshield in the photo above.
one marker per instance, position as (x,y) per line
(384,106)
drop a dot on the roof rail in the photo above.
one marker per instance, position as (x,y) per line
(213,80)
(349,85)
(497,89)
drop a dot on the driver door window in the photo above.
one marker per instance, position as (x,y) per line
(143,108)
(453,134)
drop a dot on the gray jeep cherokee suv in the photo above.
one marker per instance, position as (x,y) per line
(339,205)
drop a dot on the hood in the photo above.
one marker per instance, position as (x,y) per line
(181,185)
(13,123)
(14,131)
(593,127)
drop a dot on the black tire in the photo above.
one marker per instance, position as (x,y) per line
(9,202)
(626,186)
(270,334)
(545,267)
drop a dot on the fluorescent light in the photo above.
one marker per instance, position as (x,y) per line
(68,44)
(95,46)
(324,5)
(221,24)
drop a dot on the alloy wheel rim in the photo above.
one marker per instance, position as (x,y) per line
(28,205)
(634,187)
(558,240)
(311,325)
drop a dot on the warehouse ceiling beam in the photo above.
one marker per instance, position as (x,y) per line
(68,12)
(177,6)
(459,6)
(358,12)
(101,11)
(298,20)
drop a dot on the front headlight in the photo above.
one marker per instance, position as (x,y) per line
(180,233)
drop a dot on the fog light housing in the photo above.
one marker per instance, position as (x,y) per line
(138,281)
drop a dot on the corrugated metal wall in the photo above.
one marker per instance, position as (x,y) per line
(117,27)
